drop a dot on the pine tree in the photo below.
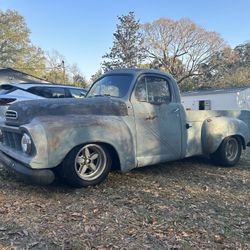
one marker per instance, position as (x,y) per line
(127,51)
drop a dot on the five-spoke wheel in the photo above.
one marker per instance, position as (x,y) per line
(90,162)
(87,165)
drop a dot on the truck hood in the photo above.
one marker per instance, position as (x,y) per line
(23,112)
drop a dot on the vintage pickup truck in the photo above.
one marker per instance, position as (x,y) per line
(130,118)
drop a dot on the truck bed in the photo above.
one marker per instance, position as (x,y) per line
(196,118)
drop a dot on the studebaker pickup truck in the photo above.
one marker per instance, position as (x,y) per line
(130,118)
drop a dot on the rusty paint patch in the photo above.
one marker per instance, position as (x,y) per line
(104,106)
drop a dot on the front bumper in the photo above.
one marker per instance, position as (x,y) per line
(37,176)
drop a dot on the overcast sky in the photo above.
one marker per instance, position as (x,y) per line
(82,30)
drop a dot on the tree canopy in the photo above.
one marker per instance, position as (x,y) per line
(180,47)
(197,58)
(227,68)
(58,70)
(16,49)
(127,45)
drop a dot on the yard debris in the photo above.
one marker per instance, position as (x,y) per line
(187,204)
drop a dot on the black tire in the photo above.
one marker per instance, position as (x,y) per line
(229,152)
(86,165)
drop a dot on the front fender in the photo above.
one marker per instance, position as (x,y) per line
(63,133)
(215,129)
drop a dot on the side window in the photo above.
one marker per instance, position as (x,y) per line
(158,90)
(57,92)
(153,90)
(77,93)
(48,92)
(40,91)
(141,90)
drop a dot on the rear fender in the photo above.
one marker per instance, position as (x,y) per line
(216,129)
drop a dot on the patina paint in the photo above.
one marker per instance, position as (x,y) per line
(104,106)
(209,128)
(141,133)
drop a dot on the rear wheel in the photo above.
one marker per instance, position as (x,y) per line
(86,165)
(228,153)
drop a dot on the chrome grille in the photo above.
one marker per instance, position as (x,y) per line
(11,114)
(12,140)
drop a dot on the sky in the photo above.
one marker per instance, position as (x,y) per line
(82,30)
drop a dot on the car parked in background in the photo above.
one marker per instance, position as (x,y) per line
(10,93)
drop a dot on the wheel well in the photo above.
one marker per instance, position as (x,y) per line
(112,151)
(114,156)
(241,140)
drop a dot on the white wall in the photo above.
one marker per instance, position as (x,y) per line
(222,101)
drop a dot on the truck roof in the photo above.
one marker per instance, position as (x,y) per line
(136,71)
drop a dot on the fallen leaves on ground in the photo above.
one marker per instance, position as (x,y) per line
(188,204)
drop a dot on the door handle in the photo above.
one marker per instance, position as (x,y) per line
(150,117)
(176,110)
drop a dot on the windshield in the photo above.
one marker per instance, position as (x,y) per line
(111,85)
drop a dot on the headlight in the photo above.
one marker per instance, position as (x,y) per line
(26,143)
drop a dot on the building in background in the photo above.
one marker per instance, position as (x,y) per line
(217,99)
(9,75)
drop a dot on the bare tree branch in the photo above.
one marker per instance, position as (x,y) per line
(180,46)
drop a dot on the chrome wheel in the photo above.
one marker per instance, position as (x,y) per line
(231,149)
(90,162)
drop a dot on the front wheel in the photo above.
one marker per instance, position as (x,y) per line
(228,153)
(86,165)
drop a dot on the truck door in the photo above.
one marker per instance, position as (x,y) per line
(157,119)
